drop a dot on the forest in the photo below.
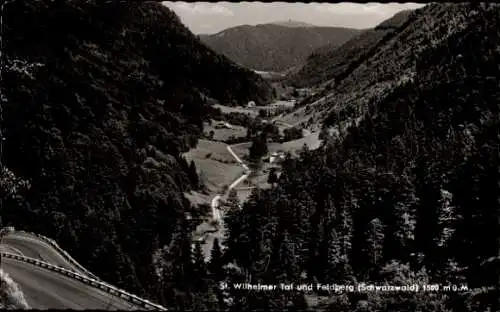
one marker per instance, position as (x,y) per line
(409,195)
(99,101)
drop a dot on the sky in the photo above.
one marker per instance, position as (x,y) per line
(212,17)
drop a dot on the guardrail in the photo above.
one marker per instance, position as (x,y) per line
(133,299)
(65,255)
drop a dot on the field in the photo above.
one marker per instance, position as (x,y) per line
(219,169)
(242,149)
(253,111)
(302,115)
(238,109)
(224,134)
(217,151)
(215,174)
(243,193)
(298,116)
(197,198)
(311,141)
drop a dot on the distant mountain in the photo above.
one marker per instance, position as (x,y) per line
(101,101)
(271,47)
(291,23)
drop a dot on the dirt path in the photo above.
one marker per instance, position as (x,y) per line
(217,214)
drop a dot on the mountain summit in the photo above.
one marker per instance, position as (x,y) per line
(272,47)
(292,23)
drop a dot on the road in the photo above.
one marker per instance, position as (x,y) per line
(215,206)
(237,158)
(216,212)
(44,289)
(31,246)
(215,201)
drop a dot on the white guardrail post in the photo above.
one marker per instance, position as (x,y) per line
(89,281)
(61,251)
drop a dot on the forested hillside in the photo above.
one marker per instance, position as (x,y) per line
(335,62)
(409,194)
(101,99)
(270,47)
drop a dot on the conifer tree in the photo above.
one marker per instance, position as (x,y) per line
(345,226)
(215,265)
(334,254)
(324,135)
(447,218)
(272,177)
(375,241)
(287,258)
(193,174)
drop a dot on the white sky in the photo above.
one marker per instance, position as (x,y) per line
(212,17)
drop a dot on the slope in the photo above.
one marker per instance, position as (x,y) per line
(407,195)
(270,47)
(334,61)
(101,100)
(375,65)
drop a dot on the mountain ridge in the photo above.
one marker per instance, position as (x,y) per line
(269,47)
(292,23)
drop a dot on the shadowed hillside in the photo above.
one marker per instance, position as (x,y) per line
(101,101)
(270,47)
(406,195)
(334,62)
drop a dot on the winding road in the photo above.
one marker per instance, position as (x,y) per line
(30,246)
(44,288)
(216,216)
(216,212)
(208,237)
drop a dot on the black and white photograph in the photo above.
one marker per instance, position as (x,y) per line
(249,156)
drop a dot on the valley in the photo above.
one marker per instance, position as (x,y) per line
(147,166)
(221,171)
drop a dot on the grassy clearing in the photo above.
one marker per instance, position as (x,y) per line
(197,198)
(238,109)
(312,141)
(217,170)
(298,116)
(217,151)
(215,174)
(253,111)
(224,134)
(242,149)
(243,194)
